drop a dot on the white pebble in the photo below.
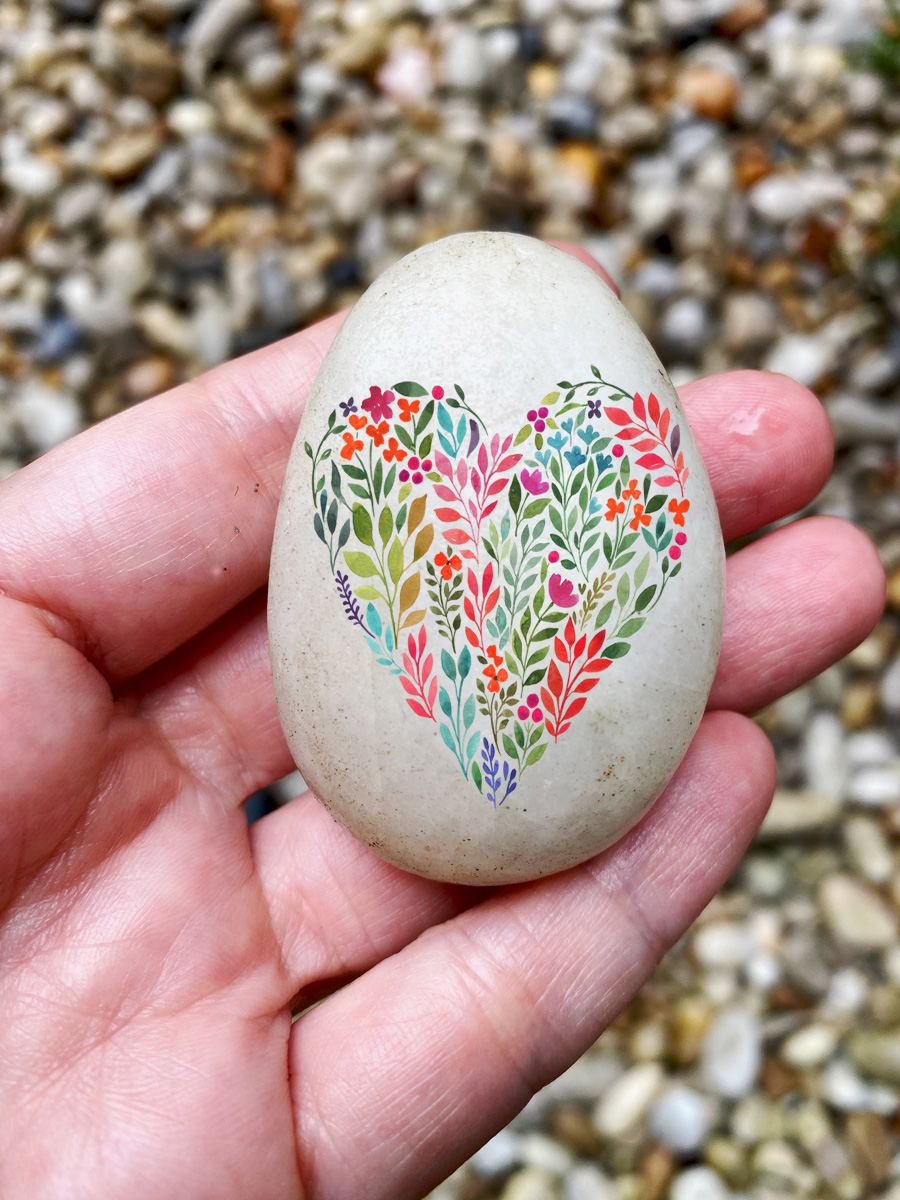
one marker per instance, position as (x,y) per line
(842,1087)
(872,748)
(809,1047)
(855,914)
(824,755)
(723,944)
(628,1099)
(847,993)
(499,1155)
(868,849)
(802,356)
(732,1053)
(587,1182)
(698,1183)
(680,1118)
(781,199)
(876,786)
(45,416)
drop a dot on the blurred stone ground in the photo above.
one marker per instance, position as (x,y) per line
(185,180)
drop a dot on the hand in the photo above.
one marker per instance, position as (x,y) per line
(152,945)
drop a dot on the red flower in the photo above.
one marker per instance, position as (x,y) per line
(562,592)
(393,451)
(350,446)
(613,508)
(378,404)
(632,492)
(359,421)
(377,432)
(640,517)
(448,565)
(679,508)
(495,670)
(407,408)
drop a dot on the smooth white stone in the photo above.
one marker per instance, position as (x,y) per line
(681,1119)
(732,1053)
(392,722)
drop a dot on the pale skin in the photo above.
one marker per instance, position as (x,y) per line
(152,947)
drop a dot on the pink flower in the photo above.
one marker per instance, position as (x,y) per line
(617,449)
(562,592)
(378,404)
(680,538)
(674,552)
(532,482)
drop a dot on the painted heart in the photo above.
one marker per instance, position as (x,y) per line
(497,575)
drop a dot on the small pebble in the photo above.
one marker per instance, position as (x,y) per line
(856,915)
(732,1053)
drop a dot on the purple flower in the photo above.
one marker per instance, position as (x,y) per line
(532,482)
(562,592)
(378,404)
(347,407)
(595,408)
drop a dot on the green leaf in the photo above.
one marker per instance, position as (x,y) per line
(404,492)
(446,706)
(468,712)
(616,650)
(365,591)
(401,517)
(423,422)
(359,563)
(377,479)
(535,677)
(523,435)
(362,525)
(536,754)
(308,448)
(623,590)
(476,770)
(607,547)
(654,504)
(425,445)
(675,570)
(336,480)
(464,662)
(509,746)
(446,733)
(404,438)
(448,666)
(319,527)
(395,560)
(630,628)
(640,571)
(344,535)
(515,494)
(360,490)
(645,597)
(409,389)
(535,508)
(604,614)
(354,472)
(622,560)
(385,525)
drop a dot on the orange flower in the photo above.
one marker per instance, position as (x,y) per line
(407,408)
(632,492)
(640,517)
(495,671)
(613,508)
(448,565)
(350,446)
(359,421)
(393,451)
(679,508)
(377,432)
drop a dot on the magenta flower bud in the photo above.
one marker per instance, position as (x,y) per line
(680,538)
(618,450)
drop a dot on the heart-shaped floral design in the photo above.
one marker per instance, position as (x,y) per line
(525,548)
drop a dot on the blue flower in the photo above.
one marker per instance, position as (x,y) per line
(604,462)
(348,407)
(588,435)
(576,457)
(567,426)
(557,441)
(595,408)
(543,457)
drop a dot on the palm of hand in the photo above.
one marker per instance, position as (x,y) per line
(152,945)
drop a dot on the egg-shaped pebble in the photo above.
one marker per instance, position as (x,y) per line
(496,589)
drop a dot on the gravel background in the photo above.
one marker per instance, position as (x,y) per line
(183,181)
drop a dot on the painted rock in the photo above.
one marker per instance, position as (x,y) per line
(497,578)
